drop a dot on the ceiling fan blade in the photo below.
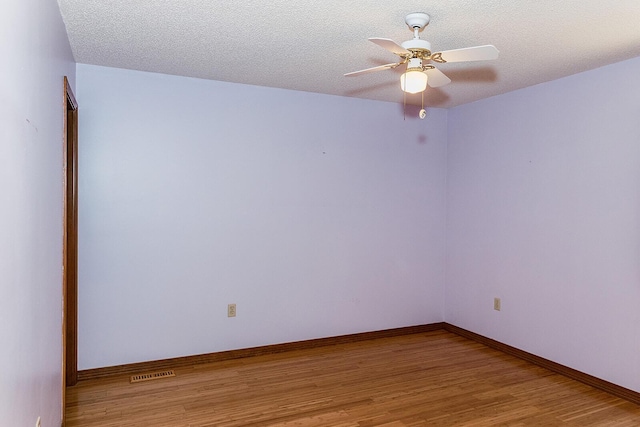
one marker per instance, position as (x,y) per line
(436,78)
(477,53)
(369,70)
(390,45)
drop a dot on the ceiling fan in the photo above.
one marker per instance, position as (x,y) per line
(416,53)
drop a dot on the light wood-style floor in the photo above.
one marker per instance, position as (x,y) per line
(429,379)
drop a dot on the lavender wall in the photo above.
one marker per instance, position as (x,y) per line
(35,56)
(317,215)
(543,211)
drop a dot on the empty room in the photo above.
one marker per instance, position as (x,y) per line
(320,213)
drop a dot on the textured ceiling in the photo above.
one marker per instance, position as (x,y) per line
(309,45)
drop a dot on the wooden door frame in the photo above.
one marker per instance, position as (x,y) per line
(69,244)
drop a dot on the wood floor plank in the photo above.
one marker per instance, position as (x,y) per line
(435,378)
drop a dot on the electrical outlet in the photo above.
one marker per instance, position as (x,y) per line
(231,310)
(496,304)
(38,422)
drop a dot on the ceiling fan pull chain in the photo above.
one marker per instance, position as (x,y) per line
(404,100)
(423,113)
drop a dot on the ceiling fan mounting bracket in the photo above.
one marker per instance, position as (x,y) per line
(417,20)
(437,57)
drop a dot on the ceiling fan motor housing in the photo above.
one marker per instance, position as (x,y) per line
(417,44)
(418,48)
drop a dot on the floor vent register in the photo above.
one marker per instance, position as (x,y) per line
(151,376)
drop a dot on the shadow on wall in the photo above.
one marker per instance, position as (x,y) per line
(412,113)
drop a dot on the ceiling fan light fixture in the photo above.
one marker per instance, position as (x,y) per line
(413,81)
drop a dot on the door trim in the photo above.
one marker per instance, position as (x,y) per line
(69,244)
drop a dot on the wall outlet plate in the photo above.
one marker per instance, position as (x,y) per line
(496,304)
(231,310)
